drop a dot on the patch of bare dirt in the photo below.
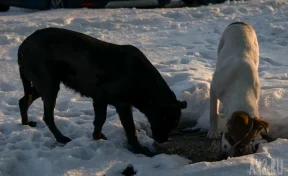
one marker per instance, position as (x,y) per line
(193,146)
(196,147)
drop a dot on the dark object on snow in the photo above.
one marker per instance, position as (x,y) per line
(118,75)
(55,4)
(4,8)
(129,171)
(196,3)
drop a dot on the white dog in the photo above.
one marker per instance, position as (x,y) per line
(236,84)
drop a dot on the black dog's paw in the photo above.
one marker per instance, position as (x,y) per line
(99,136)
(63,140)
(145,151)
(102,136)
(32,123)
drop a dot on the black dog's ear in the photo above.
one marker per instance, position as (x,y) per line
(182,104)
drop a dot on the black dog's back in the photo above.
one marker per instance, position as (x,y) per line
(77,59)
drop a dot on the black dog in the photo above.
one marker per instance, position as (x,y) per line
(119,75)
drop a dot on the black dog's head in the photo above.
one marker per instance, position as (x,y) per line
(164,117)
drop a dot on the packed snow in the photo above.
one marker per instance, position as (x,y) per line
(182,44)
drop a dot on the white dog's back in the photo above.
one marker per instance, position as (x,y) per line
(235,80)
(238,39)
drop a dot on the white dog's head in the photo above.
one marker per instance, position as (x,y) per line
(240,130)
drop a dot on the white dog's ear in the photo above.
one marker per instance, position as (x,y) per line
(260,124)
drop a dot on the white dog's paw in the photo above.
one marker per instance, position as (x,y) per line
(214,134)
(249,149)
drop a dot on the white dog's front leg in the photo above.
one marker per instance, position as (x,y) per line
(249,149)
(214,132)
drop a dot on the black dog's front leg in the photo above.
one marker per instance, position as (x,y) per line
(126,117)
(100,111)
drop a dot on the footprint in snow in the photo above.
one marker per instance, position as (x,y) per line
(5,87)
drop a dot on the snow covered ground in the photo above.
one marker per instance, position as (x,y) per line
(181,43)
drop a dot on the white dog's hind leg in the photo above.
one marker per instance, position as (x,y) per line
(214,132)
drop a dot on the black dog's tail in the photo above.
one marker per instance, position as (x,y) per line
(26,83)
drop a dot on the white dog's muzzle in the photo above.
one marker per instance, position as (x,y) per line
(228,150)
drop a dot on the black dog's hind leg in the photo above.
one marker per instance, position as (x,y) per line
(30,94)
(100,111)
(24,104)
(126,117)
